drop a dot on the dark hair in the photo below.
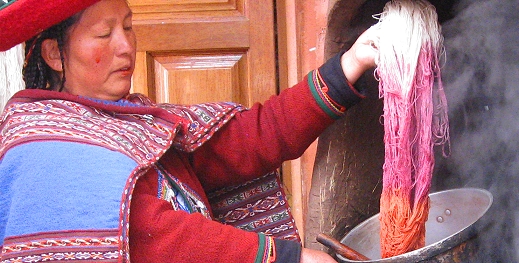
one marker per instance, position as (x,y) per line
(36,73)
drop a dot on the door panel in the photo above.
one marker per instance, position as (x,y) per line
(201,50)
(211,77)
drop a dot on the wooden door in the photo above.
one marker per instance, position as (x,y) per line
(192,51)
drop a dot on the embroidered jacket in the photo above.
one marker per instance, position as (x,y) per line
(73,168)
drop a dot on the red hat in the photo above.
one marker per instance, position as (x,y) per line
(20,20)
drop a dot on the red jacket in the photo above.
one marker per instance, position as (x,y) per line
(253,143)
(89,151)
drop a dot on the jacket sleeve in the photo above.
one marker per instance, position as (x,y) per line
(258,140)
(160,234)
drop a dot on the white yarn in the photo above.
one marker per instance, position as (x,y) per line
(11,80)
(405,26)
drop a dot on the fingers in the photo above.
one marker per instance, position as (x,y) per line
(372,36)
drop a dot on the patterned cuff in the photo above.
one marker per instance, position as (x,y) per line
(277,250)
(331,89)
(266,249)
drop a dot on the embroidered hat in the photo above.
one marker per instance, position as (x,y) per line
(20,20)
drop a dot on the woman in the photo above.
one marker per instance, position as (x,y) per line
(91,172)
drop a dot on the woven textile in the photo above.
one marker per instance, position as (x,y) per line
(259,206)
(136,130)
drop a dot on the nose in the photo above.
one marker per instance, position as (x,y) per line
(125,42)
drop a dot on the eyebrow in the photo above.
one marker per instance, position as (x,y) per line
(111,21)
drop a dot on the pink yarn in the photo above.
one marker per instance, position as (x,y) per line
(415,120)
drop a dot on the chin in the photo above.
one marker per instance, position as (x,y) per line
(114,96)
(122,93)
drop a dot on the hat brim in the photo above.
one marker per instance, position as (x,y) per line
(23,19)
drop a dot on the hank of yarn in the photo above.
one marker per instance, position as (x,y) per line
(415,119)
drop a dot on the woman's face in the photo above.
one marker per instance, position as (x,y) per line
(100,52)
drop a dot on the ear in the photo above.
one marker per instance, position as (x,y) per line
(50,53)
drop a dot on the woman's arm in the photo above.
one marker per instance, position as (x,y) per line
(257,141)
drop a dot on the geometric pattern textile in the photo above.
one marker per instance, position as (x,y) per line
(258,205)
(137,128)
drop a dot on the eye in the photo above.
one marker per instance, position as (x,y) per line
(105,35)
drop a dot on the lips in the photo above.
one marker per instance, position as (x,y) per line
(125,71)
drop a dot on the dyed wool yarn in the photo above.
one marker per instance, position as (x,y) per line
(415,119)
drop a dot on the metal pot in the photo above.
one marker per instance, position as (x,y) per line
(450,229)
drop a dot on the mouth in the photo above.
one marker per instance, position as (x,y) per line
(125,71)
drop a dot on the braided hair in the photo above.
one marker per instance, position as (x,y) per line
(36,73)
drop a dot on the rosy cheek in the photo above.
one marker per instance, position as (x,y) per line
(98,55)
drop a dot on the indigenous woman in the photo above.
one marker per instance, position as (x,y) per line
(91,172)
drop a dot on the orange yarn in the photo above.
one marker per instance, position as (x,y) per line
(402,230)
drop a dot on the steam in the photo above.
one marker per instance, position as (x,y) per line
(481,80)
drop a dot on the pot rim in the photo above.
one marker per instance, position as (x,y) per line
(435,248)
